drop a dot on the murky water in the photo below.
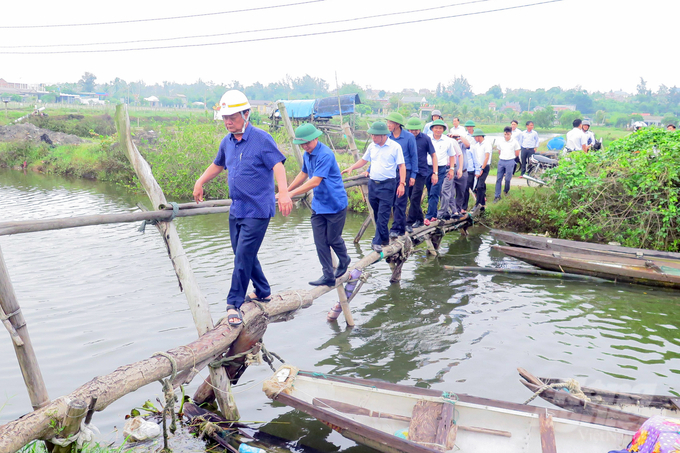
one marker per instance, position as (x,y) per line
(103,296)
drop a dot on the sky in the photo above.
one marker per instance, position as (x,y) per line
(385,45)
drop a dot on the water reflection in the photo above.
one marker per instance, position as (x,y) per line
(99,297)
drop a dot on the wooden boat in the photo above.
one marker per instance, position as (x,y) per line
(377,414)
(603,403)
(586,248)
(651,272)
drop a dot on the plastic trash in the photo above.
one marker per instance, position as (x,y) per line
(402,434)
(353,280)
(137,429)
(245,448)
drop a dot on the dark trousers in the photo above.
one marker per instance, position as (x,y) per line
(399,210)
(415,212)
(480,190)
(433,192)
(468,188)
(460,185)
(327,230)
(381,198)
(524,157)
(246,238)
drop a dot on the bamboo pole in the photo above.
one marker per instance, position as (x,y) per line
(289,130)
(536,272)
(31,226)
(128,378)
(197,303)
(359,180)
(30,370)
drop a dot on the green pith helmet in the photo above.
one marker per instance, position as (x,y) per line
(478,133)
(469,123)
(414,124)
(396,117)
(378,128)
(306,133)
(438,123)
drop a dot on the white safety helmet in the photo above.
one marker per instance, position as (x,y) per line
(639,125)
(233,101)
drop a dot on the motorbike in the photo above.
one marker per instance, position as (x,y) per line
(536,166)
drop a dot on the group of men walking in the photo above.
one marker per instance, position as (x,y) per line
(404,157)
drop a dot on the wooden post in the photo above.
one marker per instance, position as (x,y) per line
(342,298)
(37,392)
(350,141)
(289,129)
(70,425)
(199,306)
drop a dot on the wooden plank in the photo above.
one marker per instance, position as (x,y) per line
(431,423)
(197,303)
(547,433)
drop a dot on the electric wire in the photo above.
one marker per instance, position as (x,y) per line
(247,31)
(303,35)
(160,18)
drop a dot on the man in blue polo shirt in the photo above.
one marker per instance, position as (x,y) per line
(407,141)
(253,161)
(424,149)
(329,205)
(385,157)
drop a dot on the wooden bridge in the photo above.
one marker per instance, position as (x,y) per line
(214,341)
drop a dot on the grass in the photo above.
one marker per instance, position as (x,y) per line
(524,210)
(38,446)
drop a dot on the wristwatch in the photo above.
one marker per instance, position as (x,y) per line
(402,183)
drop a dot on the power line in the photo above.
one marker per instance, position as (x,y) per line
(161,18)
(303,35)
(246,31)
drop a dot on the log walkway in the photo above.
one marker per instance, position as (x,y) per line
(213,342)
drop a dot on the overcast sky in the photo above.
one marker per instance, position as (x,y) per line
(597,44)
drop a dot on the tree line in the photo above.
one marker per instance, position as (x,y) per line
(453,98)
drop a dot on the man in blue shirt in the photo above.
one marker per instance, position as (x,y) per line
(329,205)
(424,148)
(385,157)
(407,141)
(528,142)
(253,160)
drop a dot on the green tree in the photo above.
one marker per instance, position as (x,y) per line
(363,109)
(545,118)
(381,94)
(669,118)
(567,118)
(460,88)
(87,81)
(495,92)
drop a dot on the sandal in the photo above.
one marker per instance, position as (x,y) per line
(258,299)
(238,316)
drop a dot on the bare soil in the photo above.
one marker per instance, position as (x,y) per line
(27,132)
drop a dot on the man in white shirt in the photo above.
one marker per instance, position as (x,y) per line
(457,130)
(385,156)
(528,141)
(509,150)
(449,156)
(576,139)
(482,151)
(515,130)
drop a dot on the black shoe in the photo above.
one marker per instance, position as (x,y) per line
(376,247)
(342,268)
(446,216)
(418,224)
(497,199)
(409,229)
(323,281)
(394,234)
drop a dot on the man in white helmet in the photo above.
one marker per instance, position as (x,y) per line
(253,161)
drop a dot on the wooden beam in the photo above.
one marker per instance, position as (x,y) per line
(70,425)
(547,433)
(30,371)
(30,226)
(197,303)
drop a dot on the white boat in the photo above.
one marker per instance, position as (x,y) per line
(376,414)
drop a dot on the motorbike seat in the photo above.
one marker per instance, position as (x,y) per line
(544,160)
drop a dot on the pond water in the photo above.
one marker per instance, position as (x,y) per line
(99,297)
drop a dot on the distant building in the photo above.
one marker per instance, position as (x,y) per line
(492,106)
(651,120)
(514,106)
(562,108)
(262,107)
(15,87)
(617,95)
(414,100)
